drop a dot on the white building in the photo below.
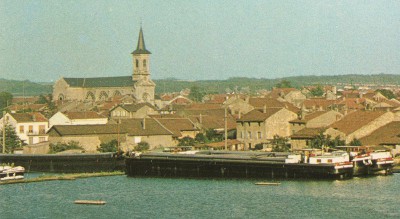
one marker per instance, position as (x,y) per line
(77,118)
(30,127)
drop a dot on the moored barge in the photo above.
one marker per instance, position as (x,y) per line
(233,165)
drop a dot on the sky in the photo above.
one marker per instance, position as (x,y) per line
(43,41)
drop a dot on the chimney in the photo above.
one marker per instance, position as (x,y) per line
(265,109)
(247,99)
(144,123)
(201,119)
(34,117)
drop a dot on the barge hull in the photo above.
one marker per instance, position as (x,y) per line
(227,168)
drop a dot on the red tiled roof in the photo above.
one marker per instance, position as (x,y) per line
(83,115)
(29,117)
(260,103)
(63,130)
(177,125)
(143,127)
(385,135)
(307,133)
(34,107)
(308,117)
(214,121)
(351,103)
(275,93)
(25,99)
(355,120)
(318,103)
(135,107)
(258,115)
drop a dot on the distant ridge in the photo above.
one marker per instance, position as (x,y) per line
(219,86)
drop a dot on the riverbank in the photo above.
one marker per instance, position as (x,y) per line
(71,176)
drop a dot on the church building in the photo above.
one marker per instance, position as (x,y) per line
(139,85)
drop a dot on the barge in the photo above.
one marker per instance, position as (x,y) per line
(234,165)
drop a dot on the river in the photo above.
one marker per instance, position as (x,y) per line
(126,197)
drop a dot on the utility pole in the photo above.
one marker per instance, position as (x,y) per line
(4,132)
(118,124)
(226,129)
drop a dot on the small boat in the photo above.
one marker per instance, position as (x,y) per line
(90,202)
(267,183)
(11,173)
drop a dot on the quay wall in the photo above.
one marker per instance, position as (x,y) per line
(72,163)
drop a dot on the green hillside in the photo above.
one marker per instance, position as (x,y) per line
(19,88)
(27,88)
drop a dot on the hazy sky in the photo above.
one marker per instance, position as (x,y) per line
(195,40)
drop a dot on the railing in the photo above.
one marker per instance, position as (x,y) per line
(40,132)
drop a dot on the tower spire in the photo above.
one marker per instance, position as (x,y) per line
(141,47)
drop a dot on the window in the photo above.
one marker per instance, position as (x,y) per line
(137,63)
(249,135)
(30,129)
(42,129)
(21,129)
(329,160)
(144,63)
(259,135)
(242,134)
(42,139)
(318,160)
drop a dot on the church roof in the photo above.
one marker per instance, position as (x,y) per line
(121,81)
(141,47)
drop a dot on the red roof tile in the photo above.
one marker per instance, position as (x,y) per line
(355,120)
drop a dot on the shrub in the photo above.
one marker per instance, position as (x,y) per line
(111,146)
(59,147)
(186,141)
(142,146)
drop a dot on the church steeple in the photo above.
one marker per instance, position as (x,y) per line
(141,47)
(141,60)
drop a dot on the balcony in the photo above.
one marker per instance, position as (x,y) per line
(36,133)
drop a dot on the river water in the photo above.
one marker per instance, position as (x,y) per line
(126,197)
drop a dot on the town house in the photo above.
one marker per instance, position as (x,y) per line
(260,126)
(30,127)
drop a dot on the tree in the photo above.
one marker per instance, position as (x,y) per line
(12,140)
(61,146)
(326,141)
(111,146)
(280,144)
(5,100)
(196,94)
(142,146)
(186,141)
(42,99)
(283,84)
(213,136)
(336,142)
(355,142)
(387,93)
(201,138)
(317,92)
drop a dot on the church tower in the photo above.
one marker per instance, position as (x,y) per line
(144,86)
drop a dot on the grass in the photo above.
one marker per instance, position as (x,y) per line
(69,176)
